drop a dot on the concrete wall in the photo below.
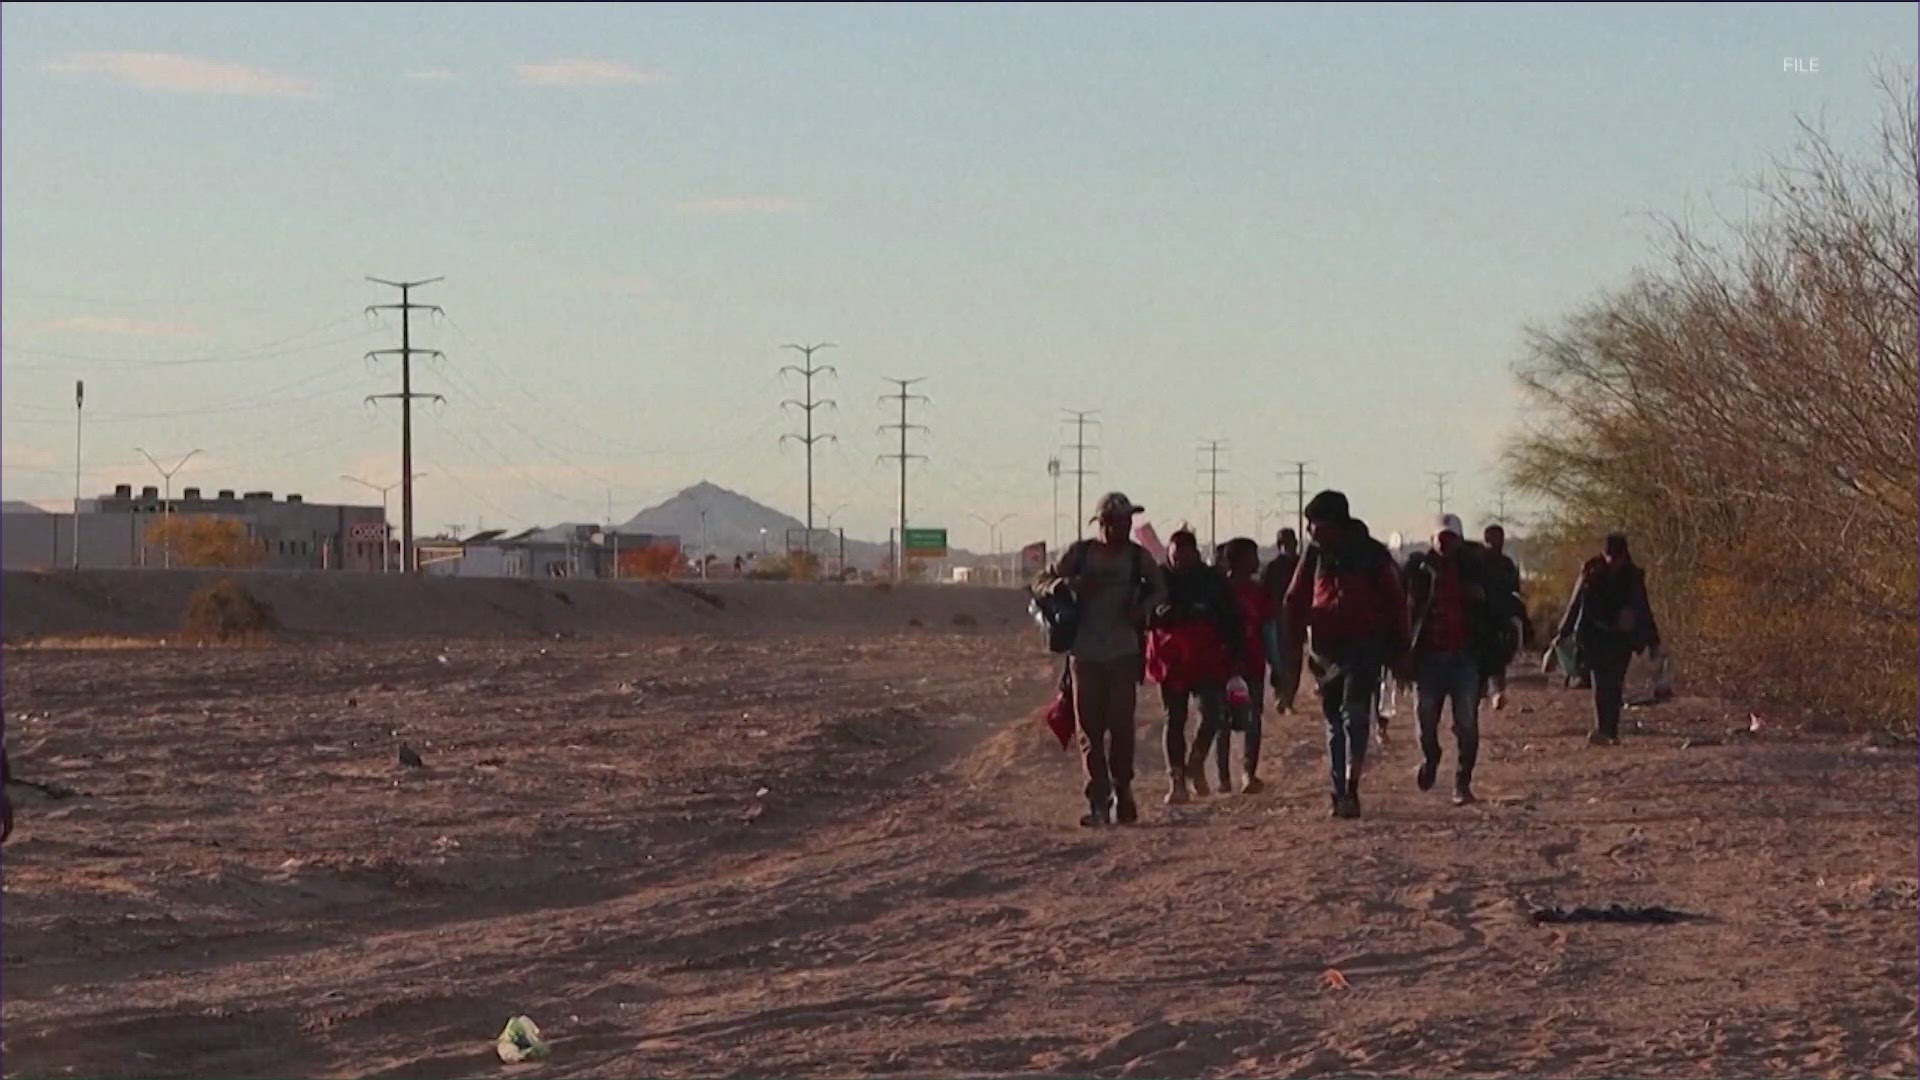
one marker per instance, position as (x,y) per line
(45,541)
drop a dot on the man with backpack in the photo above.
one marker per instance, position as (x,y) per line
(1114,584)
(1347,605)
(1453,637)
(1609,619)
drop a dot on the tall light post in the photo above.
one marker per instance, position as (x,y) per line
(79,401)
(386,530)
(993,538)
(1053,470)
(166,507)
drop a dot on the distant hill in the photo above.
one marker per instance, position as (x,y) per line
(733,526)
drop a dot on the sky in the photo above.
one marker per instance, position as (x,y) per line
(1314,233)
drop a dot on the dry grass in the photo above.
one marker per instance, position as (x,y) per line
(225,611)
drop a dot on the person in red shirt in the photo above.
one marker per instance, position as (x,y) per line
(1451,641)
(1259,653)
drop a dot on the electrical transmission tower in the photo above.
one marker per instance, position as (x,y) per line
(1212,448)
(406,307)
(1440,490)
(903,397)
(807,371)
(1080,418)
(1300,474)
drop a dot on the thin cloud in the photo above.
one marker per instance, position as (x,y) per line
(742,204)
(584,73)
(121,326)
(174,73)
(431,76)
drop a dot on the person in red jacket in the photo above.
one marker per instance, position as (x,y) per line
(1346,603)
(1193,648)
(1259,652)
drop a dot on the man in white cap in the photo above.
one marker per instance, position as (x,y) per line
(1115,584)
(1446,588)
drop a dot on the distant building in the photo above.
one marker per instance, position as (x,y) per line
(564,551)
(294,534)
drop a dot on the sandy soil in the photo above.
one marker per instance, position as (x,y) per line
(726,857)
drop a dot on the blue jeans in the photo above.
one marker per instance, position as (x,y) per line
(1347,699)
(1450,676)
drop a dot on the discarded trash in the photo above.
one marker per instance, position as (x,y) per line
(1691,743)
(757,733)
(1613,913)
(443,658)
(520,1041)
(763,793)
(411,757)
(1333,980)
(1753,723)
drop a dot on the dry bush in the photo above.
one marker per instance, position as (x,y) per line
(225,610)
(1747,414)
(655,562)
(198,540)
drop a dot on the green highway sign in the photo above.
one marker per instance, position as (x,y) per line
(926,543)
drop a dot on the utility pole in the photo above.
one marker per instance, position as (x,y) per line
(79,400)
(166,511)
(903,397)
(807,371)
(1080,418)
(1300,474)
(406,351)
(1440,485)
(1501,507)
(1053,470)
(1211,447)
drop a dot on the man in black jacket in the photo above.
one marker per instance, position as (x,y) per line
(1609,619)
(1276,578)
(1508,610)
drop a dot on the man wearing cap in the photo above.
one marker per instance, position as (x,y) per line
(1347,604)
(1116,583)
(1452,641)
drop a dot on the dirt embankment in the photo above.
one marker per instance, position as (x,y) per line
(145,603)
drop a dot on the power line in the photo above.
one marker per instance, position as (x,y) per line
(1300,474)
(1440,485)
(807,371)
(1080,418)
(903,397)
(1212,448)
(406,308)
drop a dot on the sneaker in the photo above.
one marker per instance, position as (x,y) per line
(1094,819)
(1500,701)
(1339,806)
(1125,810)
(1198,778)
(1597,739)
(1463,795)
(1349,806)
(1177,792)
(1226,785)
(1428,769)
(1253,786)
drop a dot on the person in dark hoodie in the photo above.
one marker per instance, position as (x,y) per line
(1194,642)
(1609,619)
(1276,577)
(1347,604)
(1452,642)
(1508,607)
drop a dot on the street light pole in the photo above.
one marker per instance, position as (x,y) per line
(386,530)
(166,507)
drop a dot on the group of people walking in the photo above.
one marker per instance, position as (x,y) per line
(1215,636)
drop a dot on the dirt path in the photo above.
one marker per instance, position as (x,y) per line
(727,858)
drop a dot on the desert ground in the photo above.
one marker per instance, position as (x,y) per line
(851,850)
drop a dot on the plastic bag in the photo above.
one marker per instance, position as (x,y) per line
(1662,675)
(520,1041)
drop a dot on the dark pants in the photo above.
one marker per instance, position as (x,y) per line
(1103,703)
(1454,677)
(1608,665)
(1347,699)
(1246,720)
(1213,721)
